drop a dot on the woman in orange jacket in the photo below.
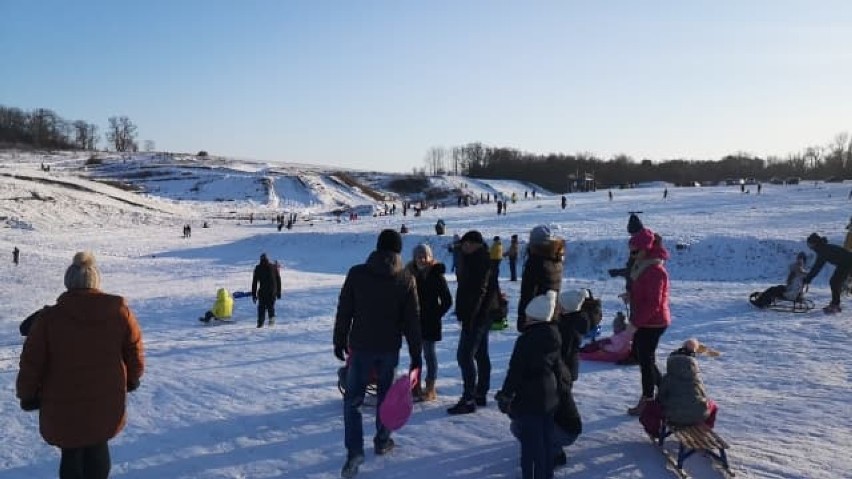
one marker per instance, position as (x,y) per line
(79,360)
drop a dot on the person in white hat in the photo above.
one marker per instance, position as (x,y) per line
(531,390)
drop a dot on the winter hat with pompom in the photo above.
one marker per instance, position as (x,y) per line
(541,307)
(83,273)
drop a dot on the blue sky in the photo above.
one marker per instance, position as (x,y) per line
(375,84)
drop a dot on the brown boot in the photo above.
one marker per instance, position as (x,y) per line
(640,406)
(417,393)
(430,394)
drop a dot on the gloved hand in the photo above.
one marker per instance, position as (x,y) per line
(279,295)
(254,298)
(504,402)
(31,404)
(132,386)
(340,352)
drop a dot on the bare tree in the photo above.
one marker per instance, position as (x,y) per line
(122,134)
(85,135)
(435,160)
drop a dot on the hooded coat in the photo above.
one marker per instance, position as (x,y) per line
(224,305)
(649,290)
(79,359)
(536,371)
(476,294)
(266,281)
(681,392)
(378,305)
(433,296)
(542,272)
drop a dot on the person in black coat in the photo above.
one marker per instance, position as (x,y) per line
(534,382)
(377,305)
(435,300)
(836,255)
(476,298)
(265,289)
(542,269)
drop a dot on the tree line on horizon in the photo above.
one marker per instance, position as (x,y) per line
(557,172)
(44,128)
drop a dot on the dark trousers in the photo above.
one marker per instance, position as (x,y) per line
(646,340)
(836,283)
(90,462)
(474,362)
(362,364)
(265,306)
(513,269)
(535,433)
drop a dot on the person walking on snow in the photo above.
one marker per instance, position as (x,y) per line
(16,255)
(80,359)
(377,305)
(265,289)
(842,261)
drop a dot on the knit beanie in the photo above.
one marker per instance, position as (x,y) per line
(83,273)
(422,249)
(634,224)
(473,236)
(389,240)
(572,300)
(540,234)
(541,307)
(642,240)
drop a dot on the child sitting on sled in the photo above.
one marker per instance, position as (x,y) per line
(614,348)
(222,308)
(681,399)
(790,291)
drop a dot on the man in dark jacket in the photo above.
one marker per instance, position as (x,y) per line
(836,255)
(476,297)
(265,289)
(377,306)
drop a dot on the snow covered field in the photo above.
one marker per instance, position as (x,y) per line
(232,401)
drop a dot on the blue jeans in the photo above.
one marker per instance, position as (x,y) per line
(535,432)
(561,438)
(475,365)
(362,365)
(431,360)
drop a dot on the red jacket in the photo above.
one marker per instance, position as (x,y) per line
(649,297)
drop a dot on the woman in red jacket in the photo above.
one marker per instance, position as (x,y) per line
(649,307)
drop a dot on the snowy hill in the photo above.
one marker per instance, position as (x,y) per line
(233,401)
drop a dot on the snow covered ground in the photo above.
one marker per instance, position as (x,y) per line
(232,401)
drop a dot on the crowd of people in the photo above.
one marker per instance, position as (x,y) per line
(386,299)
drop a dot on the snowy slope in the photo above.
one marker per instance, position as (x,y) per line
(236,402)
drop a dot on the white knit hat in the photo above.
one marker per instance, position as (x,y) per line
(83,273)
(572,300)
(541,307)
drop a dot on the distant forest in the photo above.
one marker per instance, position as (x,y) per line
(44,128)
(560,172)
